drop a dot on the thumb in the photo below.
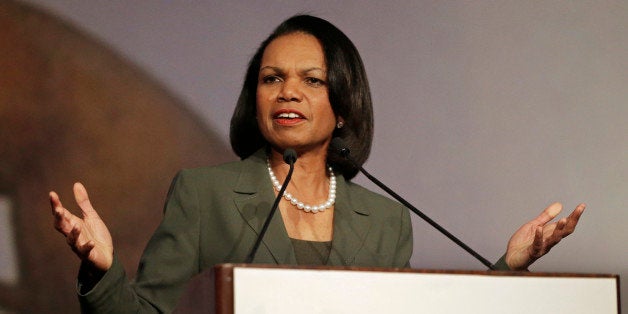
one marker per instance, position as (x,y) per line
(548,214)
(82,199)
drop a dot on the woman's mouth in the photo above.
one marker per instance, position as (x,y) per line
(288,117)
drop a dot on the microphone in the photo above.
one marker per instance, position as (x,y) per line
(289,157)
(341,147)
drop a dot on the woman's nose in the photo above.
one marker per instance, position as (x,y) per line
(290,91)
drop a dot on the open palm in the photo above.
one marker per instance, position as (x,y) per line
(535,238)
(88,235)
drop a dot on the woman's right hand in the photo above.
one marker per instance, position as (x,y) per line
(88,236)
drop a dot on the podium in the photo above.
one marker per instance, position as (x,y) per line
(247,288)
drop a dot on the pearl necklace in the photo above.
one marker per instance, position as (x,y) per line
(300,205)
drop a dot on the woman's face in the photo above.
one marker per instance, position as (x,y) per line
(293,109)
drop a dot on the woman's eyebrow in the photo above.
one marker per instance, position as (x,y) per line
(312,69)
(275,69)
(280,70)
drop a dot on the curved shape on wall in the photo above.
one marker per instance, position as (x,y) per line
(71,110)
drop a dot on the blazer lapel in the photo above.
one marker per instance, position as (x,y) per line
(254,199)
(351,226)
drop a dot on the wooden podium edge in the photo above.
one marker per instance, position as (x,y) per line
(418,270)
(216,285)
(223,284)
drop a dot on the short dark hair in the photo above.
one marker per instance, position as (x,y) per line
(348,89)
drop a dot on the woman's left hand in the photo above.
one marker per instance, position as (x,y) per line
(535,238)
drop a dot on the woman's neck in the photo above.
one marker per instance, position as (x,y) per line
(310,178)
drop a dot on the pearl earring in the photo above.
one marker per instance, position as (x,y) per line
(340,124)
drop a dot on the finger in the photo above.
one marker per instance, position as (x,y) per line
(537,244)
(63,220)
(72,236)
(574,217)
(557,234)
(54,200)
(549,230)
(548,214)
(560,225)
(563,229)
(82,199)
(74,240)
(86,249)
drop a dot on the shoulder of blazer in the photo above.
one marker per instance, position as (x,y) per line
(361,197)
(242,176)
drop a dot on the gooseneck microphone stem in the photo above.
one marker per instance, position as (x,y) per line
(345,152)
(427,219)
(290,157)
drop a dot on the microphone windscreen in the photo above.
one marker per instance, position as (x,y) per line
(339,145)
(289,156)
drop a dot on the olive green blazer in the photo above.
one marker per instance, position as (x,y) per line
(214,214)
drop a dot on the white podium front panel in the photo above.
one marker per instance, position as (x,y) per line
(276,291)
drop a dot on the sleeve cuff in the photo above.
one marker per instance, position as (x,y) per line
(99,294)
(501,264)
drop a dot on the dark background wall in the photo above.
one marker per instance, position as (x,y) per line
(485,113)
(72,110)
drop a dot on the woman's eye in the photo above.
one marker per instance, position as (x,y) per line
(270,79)
(314,81)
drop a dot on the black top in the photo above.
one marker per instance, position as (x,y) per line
(311,252)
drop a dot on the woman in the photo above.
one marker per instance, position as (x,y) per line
(305,85)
